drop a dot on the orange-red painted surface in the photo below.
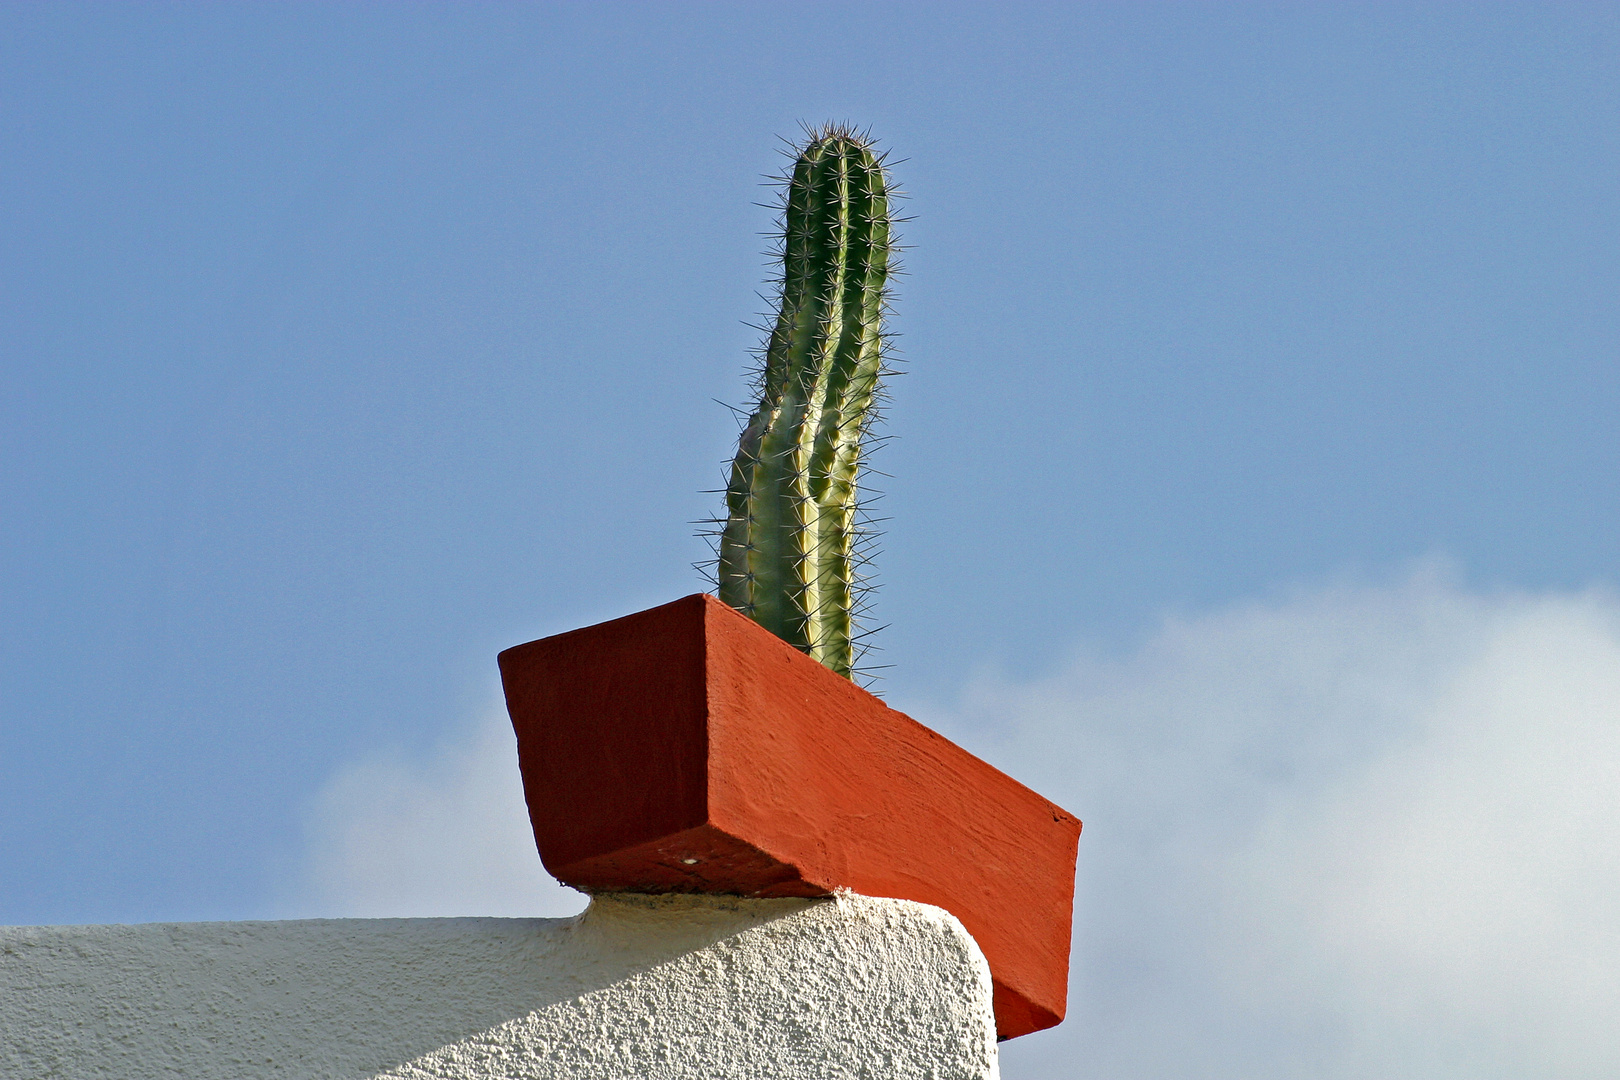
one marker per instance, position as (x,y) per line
(687,749)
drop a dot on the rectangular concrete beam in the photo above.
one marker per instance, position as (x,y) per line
(687,749)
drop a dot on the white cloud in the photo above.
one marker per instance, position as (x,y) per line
(1367,832)
(445,835)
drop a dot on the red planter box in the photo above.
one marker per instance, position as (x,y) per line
(687,749)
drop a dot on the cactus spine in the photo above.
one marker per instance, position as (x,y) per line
(787,547)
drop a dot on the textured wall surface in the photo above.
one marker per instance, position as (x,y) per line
(637,986)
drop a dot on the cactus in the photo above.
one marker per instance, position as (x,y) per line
(788,545)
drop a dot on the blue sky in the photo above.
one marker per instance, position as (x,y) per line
(347,345)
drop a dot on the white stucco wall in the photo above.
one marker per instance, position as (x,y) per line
(637,986)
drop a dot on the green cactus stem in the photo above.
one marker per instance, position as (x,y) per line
(787,547)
